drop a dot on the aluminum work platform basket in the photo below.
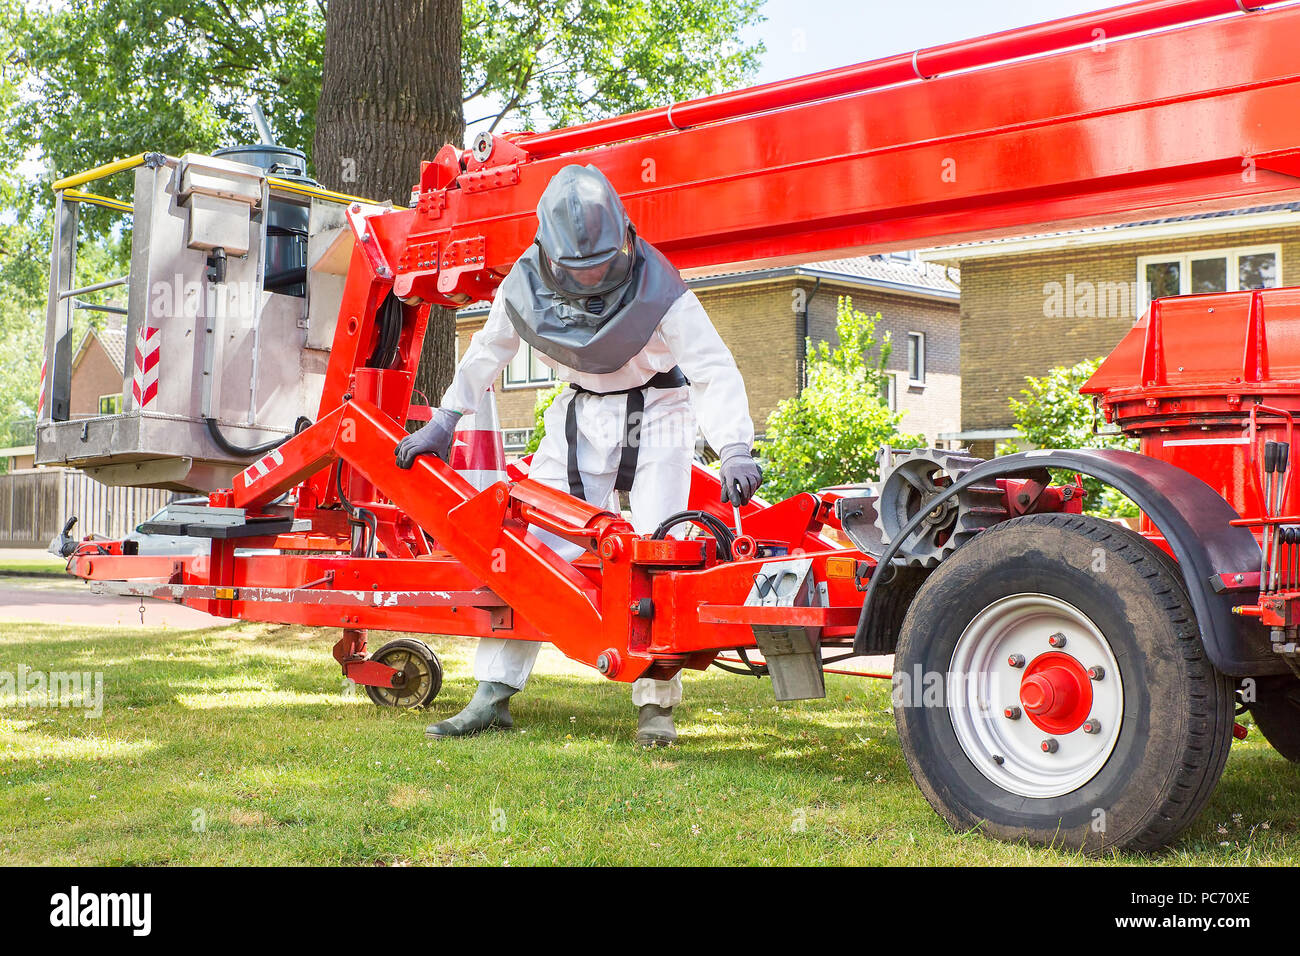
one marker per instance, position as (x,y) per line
(236,276)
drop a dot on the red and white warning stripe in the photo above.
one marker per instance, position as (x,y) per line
(259,468)
(144,384)
(478,452)
(40,396)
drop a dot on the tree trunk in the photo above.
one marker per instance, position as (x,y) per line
(390,98)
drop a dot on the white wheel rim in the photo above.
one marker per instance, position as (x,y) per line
(982,682)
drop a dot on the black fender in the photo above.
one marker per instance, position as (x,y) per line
(1194,519)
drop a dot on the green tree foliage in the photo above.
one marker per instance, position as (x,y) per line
(89,81)
(85,82)
(1053,414)
(544,401)
(24,275)
(24,261)
(104,79)
(547,63)
(832,432)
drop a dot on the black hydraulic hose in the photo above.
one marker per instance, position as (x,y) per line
(361,516)
(390,334)
(711,523)
(758,670)
(750,669)
(251,451)
(338,482)
(735,670)
(239,451)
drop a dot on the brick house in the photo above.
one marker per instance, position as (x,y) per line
(764,316)
(1031,304)
(97,370)
(35,501)
(95,388)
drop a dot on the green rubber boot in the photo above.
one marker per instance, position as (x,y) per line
(654,726)
(488,709)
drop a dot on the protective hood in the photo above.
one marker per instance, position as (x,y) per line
(583,234)
(591,321)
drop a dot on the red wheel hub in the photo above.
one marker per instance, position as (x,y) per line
(1056,693)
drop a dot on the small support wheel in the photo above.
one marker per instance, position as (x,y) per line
(419,674)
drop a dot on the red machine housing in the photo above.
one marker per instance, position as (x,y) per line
(1202,380)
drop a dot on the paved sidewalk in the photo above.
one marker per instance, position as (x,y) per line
(49,600)
(32,555)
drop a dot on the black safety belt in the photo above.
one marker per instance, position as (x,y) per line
(673,378)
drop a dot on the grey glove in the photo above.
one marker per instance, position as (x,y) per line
(435,438)
(741,475)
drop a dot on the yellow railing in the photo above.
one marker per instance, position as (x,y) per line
(99,172)
(68,185)
(303,189)
(76,195)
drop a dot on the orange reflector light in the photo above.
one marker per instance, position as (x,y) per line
(225,594)
(841,567)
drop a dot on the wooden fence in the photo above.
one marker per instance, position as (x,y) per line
(34,504)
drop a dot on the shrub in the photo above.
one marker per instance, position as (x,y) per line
(831,432)
(1053,414)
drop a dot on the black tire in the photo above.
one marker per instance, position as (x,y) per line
(1177,712)
(1276,712)
(421,672)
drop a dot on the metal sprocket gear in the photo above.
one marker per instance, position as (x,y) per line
(909,480)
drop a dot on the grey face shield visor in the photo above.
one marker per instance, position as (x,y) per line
(596,275)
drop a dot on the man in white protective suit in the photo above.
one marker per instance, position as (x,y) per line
(612,316)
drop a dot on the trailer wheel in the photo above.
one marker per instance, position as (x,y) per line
(1051,686)
(419,674)
(1276,712)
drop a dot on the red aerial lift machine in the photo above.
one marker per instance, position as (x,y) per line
(1059,678)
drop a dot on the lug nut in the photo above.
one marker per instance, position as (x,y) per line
(1049,745)
(999,759)
(1011,713)
(1091,726)
(1057,640)
(1096,672)
(1016,660)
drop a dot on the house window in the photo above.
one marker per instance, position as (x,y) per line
(526,369)
(1214,270)
(889,391)
(110,404)
(915,358)
(516,439)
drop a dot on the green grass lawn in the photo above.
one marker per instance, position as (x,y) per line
(35,566)
(239,745)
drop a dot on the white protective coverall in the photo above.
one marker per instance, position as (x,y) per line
(685,338)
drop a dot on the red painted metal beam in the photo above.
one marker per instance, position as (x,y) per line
(1093,28)
(284,467)
(780,616)
(557,599)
